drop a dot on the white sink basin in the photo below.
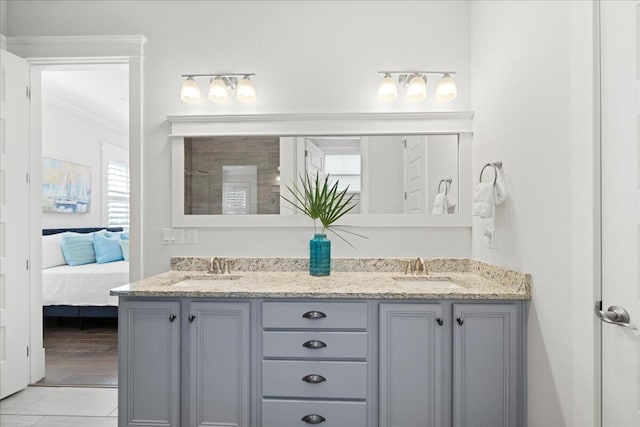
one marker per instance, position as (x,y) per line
(429,282)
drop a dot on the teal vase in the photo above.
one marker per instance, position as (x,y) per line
(320,255)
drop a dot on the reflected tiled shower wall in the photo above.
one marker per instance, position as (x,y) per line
(204,159)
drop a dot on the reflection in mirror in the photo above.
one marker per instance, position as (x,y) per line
(390,174)
(231,175)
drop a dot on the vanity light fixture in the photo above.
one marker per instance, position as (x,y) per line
(219,87)
(416,84)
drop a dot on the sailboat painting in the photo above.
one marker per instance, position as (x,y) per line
(66,187)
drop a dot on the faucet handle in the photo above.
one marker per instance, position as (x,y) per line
(225,266)
(407,267)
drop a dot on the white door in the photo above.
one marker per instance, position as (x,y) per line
(416,174)
(620,212)
(314,160)
(14,224)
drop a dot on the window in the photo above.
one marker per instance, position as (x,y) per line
(117,194)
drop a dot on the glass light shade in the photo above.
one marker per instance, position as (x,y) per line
(388,90)
(417,89)
(190,92)
(447,89)
(218,91)
(246,91)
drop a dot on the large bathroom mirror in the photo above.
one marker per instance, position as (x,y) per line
(403,169)
(385,174)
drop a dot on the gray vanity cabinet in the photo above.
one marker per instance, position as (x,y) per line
(487,370)
(149,363)
(186,367)
(219,364)
(411,365)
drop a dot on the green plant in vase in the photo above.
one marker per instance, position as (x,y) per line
(321,201)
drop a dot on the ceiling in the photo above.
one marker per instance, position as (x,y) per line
(98,90)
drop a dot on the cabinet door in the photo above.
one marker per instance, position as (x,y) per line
(410,365)
(149,363)
(485,365)
(219,364)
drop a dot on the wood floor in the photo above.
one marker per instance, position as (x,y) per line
(87,357)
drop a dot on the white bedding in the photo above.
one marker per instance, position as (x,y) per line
(87,284)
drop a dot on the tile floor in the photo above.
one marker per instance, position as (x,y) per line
(61,407)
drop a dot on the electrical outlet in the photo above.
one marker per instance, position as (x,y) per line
(192,236)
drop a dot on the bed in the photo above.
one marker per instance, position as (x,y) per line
(82,290)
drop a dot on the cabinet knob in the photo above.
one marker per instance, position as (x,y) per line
(313,419)
(439,321)
(460,320)
(192,317)
(314,315)
(314,344)
(314,379)
(172,317)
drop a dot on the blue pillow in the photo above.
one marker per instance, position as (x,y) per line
(78,249)
(124,245)
(107,248)
(124,235)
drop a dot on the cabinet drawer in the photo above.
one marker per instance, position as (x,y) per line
(331,315)
(330,344)
(339,380)
(289,413)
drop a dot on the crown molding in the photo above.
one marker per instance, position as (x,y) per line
(322,124)
(85,114)
(40,47)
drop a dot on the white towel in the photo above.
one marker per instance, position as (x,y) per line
(500,190)
(439,204)
(483,200)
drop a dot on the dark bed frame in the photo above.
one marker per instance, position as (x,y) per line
(80,311)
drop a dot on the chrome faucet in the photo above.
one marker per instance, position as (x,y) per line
(215,265)
(418,266)
(219,266)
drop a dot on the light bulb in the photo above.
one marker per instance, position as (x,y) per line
(388,90)
(190,92)
(246,90)
(218,91)
(447,89)
(417,89)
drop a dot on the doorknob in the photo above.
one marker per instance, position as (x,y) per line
(615,315)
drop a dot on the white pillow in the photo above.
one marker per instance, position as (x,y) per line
(52,251)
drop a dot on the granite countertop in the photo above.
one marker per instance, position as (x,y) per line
(350,278)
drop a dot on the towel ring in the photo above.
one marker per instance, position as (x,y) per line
(446,186)
(495,172)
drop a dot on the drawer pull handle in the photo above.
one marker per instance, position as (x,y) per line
(460,320)
(439,321)
(192,317)
(314,379)
(314,315)
(313,419)
(314,344)
(172,317)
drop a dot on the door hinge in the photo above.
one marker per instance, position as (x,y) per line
(27,351)
(28,93)
(27,264)
(28,178)
(404,143)
(405,195)
(306,153)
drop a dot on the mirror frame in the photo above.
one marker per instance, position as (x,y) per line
(296,125)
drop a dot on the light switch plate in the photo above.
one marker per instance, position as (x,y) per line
(172,236)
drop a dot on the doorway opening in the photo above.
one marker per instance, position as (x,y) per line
(85,203)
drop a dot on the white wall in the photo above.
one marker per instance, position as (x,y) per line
(301,67)
(532,91)
(78,139)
